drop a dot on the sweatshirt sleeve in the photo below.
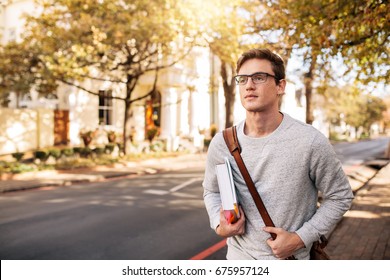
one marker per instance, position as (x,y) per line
(211,194)
(329,178)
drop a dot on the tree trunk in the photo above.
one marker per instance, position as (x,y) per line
(130,85)
(17,100)
(229,89)
(125,121)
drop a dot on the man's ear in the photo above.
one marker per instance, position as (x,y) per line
(281,87)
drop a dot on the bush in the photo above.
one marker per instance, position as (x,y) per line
(151,133)
(109,148)
(121,147)
(67,152)
(18,156)
(77,150)
(55,153)
(3,167)
(85,152)
(21,168)
(73,163)
(99,151)
(41,155)
(364,136)
(157,146)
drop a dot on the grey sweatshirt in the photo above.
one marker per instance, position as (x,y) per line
(288,167)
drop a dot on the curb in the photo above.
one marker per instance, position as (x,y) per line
(56,178)
(362,175)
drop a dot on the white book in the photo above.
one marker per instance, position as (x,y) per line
(227,191)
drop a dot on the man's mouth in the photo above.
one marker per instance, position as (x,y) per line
(250,96)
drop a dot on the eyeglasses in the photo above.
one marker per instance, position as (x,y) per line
(257,78)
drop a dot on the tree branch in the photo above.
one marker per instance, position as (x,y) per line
(101,79)
(89,91)
(170,64)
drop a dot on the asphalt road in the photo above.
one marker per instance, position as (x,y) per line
(159,216)
(359,152)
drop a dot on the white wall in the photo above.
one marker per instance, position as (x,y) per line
(25,129)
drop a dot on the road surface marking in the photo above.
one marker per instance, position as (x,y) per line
(174,189)
(209,251)
(157,192)
(185,184)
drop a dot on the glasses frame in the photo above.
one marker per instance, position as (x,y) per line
(251,76)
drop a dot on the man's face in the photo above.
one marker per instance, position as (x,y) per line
(263,96)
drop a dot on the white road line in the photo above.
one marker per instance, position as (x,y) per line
(156,192)
(185,184)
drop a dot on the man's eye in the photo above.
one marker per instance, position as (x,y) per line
(241,79)
(259,78)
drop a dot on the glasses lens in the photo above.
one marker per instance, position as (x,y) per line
(241,80)
(259,78)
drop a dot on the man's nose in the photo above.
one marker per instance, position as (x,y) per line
(249,84)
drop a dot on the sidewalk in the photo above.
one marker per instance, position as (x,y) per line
(31,180)
(364,232)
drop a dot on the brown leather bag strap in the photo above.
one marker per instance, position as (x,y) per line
(230,136)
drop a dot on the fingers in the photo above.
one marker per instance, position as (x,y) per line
(221,215)
(284,245)
(273,230)
(226,229)
(242,214)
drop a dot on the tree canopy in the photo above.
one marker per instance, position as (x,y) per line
(225,37)
(355,32)
(353,107)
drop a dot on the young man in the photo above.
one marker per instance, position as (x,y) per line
(289,162)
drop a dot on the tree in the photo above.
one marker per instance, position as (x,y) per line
(368,110)
(18,67)
(386,115)
(355,108)
(224,42)
(109,41)
(356,31)
(224,26)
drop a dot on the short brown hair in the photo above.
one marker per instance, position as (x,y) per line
(276,61)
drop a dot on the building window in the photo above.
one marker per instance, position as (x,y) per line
(156,108)
(153,110)
(105,107)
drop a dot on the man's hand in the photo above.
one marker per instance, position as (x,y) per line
(226,230)
(285,244)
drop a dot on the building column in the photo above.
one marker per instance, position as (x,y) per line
(169,117)
(191,115)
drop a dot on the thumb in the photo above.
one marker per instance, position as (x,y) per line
(273,231)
